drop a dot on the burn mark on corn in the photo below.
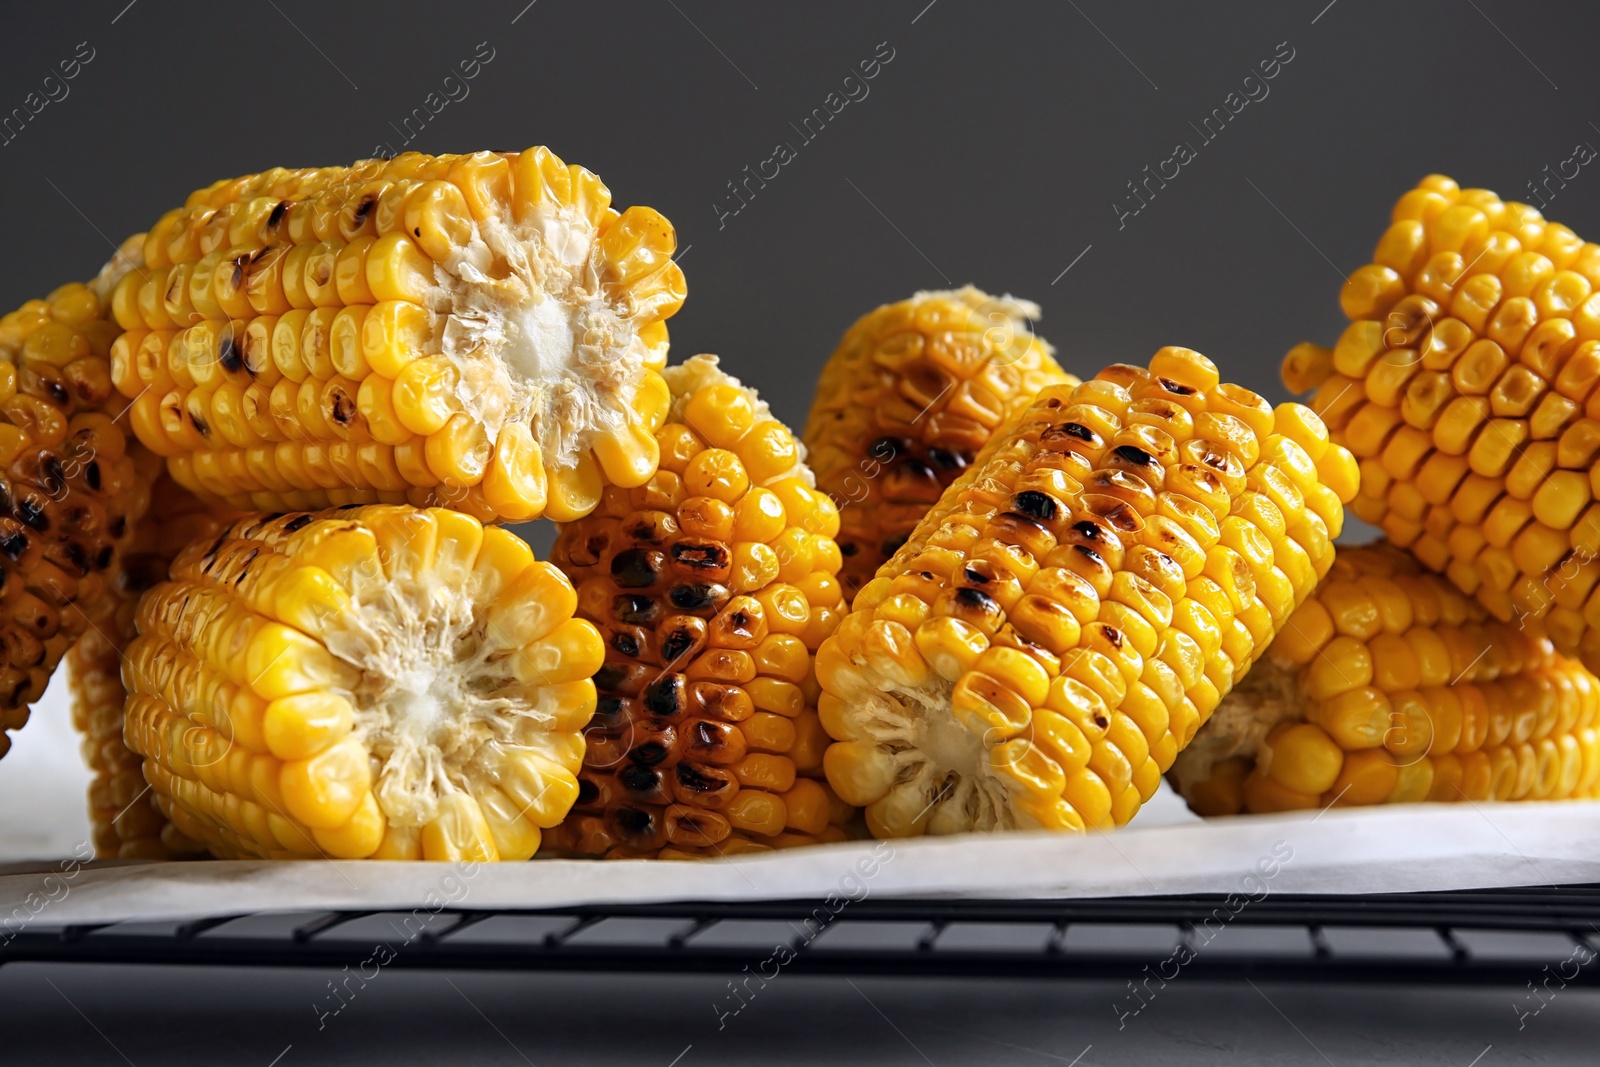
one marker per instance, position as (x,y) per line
(625,643)
(91,475)
(13,543)
(1036,505)
(677,644)
(632,608)
(697,596)
(1134,455)
(31,513)
(977,600)
(635,568)
(665,697)
(691,780)
(1113,635)
(639,779)
(948,460)
(299,522)
(363,209)
(199,424)
(634,822)
(1174,387)
(588,791)
(650,753)
(702,555)
(343,408)
(276,215)
(228,353)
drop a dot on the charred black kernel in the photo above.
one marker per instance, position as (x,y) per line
(639,779)
(665,697)
(596,545)
(299,522)
(1173,387)
(364,209)
(950,461)
(848,548)
(118,526)
(1093,531)
(977,599)
(610,676)
(103,560)
(976,577)
(58,393)
(633,568)
(78,556)
(625,644)
(1094,557)
(31,513)
(609,711)
(632,821)
(55,476)
(703,555)
(697,596)
(91,475)
(632,608)
(1135,455)
(690,778)
(1113,635)
(706,735)
(240,265)
(1100,720)
(344,408)
(893,544)
(650,753)
(1078,430)
(588,792)
(13,544)
(228,354)
(244,565)
(1036,505)
(676,645)
(278,211)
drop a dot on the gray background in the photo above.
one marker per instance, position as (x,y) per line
(991,150)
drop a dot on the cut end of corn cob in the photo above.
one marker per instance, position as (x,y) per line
(380,682)
(1465,385)
(1078,602)
(1391,686)
(712,585)
(481,331)
(914,390)
(69,489)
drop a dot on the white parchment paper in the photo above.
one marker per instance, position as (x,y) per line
(1372,850)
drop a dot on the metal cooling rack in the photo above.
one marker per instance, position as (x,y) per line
(1496,936)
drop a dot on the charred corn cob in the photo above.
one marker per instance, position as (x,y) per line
(69,491)
(1465,385)
(1078,603)
(380,682)
(1390,686)
(914,390)
(123,815)
(713,583)
(479,331)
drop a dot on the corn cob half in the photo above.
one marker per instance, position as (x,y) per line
(1078,603)
(1390,686)
(480,331)
(713,583)
(1465,386)
(376,681)
(123,814)
(69,490)
(913,391)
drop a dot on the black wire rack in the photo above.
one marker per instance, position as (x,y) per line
(1493,936)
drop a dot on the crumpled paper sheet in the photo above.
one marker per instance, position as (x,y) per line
(1366,850)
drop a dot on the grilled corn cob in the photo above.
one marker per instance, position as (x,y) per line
(914,390)
(713,583)
(1390,686)
(1078,602)
(1465,385)
(480,331)
(378,681)
(69,492)
(123,815)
